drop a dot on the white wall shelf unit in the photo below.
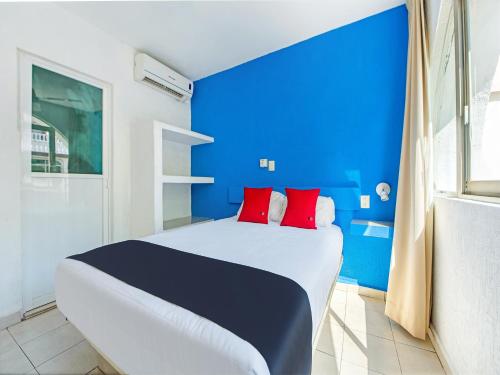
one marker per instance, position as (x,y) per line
(180,135)
(165,132)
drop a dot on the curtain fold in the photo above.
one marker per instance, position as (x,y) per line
(408,299)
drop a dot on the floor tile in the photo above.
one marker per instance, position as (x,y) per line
(340,286)
(13,361)
(372,352)
(95,371)
(369,321)
(331,338)
(6,341)
(52,343)
(373,293)
(324,364)
(367,292)
(347,368)
(339,296)
(415,361)
(337,312)
(80,359)
(106,367)
(367,303)
(34,327)
(402,336)
(353,288)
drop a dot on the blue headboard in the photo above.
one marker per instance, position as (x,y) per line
(346,200)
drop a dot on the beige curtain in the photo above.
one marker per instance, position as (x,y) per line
(409,290)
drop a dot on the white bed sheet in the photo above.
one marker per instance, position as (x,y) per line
(143,334)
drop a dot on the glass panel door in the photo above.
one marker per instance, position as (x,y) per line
(65,188)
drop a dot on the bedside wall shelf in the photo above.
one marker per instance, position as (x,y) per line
(370,228)
(182,221)
(169,179)
(367,253)
(179,135)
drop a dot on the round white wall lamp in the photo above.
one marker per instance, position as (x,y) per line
(383,190)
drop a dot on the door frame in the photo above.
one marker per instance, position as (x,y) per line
(25,62)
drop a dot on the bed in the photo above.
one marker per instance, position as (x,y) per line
(143,334)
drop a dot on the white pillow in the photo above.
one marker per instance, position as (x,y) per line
(276,210)
(325,211)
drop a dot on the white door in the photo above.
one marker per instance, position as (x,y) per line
(64,119)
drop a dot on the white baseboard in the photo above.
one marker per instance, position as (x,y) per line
(440,350)
(9,320)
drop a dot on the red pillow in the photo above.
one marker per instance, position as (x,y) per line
(256,205)
(301,208)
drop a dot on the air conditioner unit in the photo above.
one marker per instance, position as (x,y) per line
(153,73)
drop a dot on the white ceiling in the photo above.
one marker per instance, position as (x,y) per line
(200,38)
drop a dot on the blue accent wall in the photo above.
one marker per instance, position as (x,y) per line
(328,110)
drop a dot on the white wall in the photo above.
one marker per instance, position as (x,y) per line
(51,32)
(466,291)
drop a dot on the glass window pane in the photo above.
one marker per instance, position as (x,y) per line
(484,38)
(66,130)
(443,103)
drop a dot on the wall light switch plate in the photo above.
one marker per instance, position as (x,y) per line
(272,166)
(263,163)
(365,201)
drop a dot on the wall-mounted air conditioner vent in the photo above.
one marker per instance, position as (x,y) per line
(162,87)
(153,73)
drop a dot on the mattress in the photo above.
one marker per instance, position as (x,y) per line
(143,334)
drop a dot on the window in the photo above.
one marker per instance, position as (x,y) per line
(66,124)
(481,105)
(465,97)
(443,95)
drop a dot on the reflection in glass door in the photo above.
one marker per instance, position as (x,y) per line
(66,124)
(65,188)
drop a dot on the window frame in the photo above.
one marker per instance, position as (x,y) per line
(467,188)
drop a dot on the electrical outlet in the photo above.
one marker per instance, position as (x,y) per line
(271,166)
(263,163)
(365,201)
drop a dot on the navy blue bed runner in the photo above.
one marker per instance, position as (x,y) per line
(269,311)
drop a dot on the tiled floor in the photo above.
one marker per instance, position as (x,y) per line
(357,338)
(46,344)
